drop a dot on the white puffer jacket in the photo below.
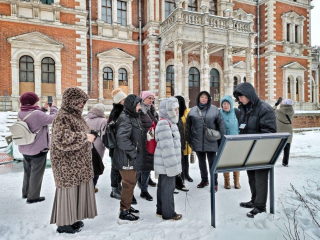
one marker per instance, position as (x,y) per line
(167,157)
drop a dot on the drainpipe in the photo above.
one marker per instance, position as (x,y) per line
(140,48)
(159,74)
(90,47)
(258,46)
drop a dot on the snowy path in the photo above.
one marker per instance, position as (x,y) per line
(21,221)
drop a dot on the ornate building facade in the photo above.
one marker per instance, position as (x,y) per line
(186,46)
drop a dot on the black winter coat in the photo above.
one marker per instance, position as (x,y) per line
(146,120)
(114,115)
(128,153)
(259,117)
(195,131)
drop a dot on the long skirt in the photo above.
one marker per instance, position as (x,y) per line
(74,204)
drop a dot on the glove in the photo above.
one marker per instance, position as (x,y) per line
(279,101)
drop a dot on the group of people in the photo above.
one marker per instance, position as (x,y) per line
(178,132)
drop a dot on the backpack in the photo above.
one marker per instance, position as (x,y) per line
(109,137)
(151,141)
(21,134)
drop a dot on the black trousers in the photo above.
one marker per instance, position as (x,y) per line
(115,177)
(34,167)
(286,154)
(203,165)
(165,199)
(258,181)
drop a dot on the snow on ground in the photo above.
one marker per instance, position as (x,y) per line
(19,220)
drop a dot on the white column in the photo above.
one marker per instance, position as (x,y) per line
(162,80)
(249,66)
(15,85)
(58,80)
(130,83)
(284,29)
(99,9)
(204,77)
(178,67)
(157,10)
(163,10)
(185,91)
(129,13)
(301,34)
(114,11)
(301,90)
(37,79)
(228,71)
(151,10)
(100,79)
(316,92)
(292,32)
(116,80)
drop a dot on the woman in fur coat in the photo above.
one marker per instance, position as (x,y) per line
(71,161)
(167,157)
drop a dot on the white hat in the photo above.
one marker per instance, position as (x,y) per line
(287,102)
(118,95)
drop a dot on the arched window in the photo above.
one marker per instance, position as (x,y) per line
(48,74)
(235,82)
(194,77)
(169,5)
(26,69)
(288,86)
(213,7)
(107,78)
(297,86)
(214,78)
(123,77)
(312,91)
(170,81)
(244,79)
(192,5)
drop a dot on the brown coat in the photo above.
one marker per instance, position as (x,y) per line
(283,124)
(71,158)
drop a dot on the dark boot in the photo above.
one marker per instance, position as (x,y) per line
(68,229)
(115,193)
(255,211)
(40,199)
(186,171)
(78,225)
(146,196)
(180,185)
(202,184)
(127,217)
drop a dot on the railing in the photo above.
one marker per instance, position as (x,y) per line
(201,19)
(5,98)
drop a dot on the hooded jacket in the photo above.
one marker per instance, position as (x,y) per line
(195,131)
(229,118)
(167,157)
(128,154)
(147,116)
(70,153)
(258,116)
(97,121)
(283,124)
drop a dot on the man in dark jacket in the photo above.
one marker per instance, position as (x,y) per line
(128,155)
(256,116)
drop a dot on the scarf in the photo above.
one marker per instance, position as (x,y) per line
(202,106)
(26,108)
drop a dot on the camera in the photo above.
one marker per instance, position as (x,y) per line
(96,133)
(50,100)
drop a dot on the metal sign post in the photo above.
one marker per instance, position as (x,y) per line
(247,152)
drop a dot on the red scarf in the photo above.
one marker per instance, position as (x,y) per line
(26,108)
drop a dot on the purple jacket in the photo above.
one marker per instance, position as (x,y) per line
(35,121)
(97,123)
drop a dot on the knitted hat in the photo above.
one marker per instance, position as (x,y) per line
(29,98)
(100,107)
(118,95)
(287,102)
(145,94)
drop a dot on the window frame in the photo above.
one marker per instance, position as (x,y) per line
(106,16)
(121,11)
(27,70)
(193,5)
(170,80)
(109,80)
(193,78)
(213,7)
(169,7)
(123,82)
(48,70)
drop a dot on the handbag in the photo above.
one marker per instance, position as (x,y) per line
(98,166)
(109,138)
(210,134)
(151,141)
